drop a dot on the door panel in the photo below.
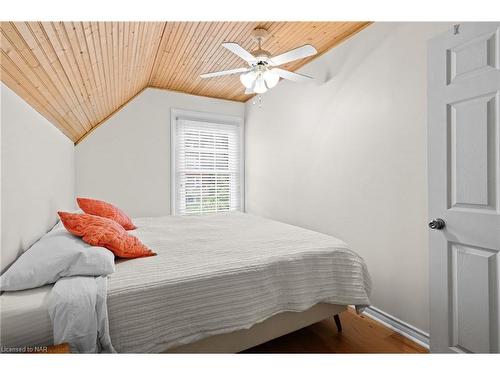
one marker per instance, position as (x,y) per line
(472,56)
(474,298)
(472,153)
(464,188)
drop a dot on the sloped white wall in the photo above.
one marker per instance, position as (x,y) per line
(38,175)
(346,156)
(127,159)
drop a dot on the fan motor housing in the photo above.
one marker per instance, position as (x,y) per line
(261,55)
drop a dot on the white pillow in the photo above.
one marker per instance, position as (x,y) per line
(55,255)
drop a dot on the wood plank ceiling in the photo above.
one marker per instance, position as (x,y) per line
(77,74)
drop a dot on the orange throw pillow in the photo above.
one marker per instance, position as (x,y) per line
(107,210)
(100,231)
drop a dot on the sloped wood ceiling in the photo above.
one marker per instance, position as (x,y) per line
(77,74)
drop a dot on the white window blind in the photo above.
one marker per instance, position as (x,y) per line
(207,167)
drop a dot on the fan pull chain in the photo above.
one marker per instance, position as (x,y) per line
(259,98)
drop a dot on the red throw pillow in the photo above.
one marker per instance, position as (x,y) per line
(99,231)
(107,210)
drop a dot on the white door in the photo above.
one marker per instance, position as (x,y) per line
(464,188)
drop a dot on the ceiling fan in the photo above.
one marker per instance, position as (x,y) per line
(263,72)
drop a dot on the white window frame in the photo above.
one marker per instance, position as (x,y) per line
(177,114)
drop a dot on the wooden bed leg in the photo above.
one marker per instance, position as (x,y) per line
(336,317)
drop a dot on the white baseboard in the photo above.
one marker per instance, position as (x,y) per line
(405,329)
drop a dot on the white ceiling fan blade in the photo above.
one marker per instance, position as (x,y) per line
(224,73)
(292,76)
(240,51)
(294,54)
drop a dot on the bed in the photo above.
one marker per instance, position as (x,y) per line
(220,283)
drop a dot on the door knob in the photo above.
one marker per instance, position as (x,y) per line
(437,224)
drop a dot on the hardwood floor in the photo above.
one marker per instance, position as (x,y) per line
(360,334)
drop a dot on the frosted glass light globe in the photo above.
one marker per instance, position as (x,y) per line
(248,79)
(271,78)
(260,86)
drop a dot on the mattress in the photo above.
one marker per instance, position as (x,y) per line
(221,273)
(24,318)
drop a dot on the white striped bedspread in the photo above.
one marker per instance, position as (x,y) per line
(220,273)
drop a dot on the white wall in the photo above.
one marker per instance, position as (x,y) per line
(346,156)
(127,159)
(38,175)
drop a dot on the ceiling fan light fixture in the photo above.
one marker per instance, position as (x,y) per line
(248,79)
(271,78)
(263,72)
(260,85)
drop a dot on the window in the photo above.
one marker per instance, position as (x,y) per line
(206,163)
